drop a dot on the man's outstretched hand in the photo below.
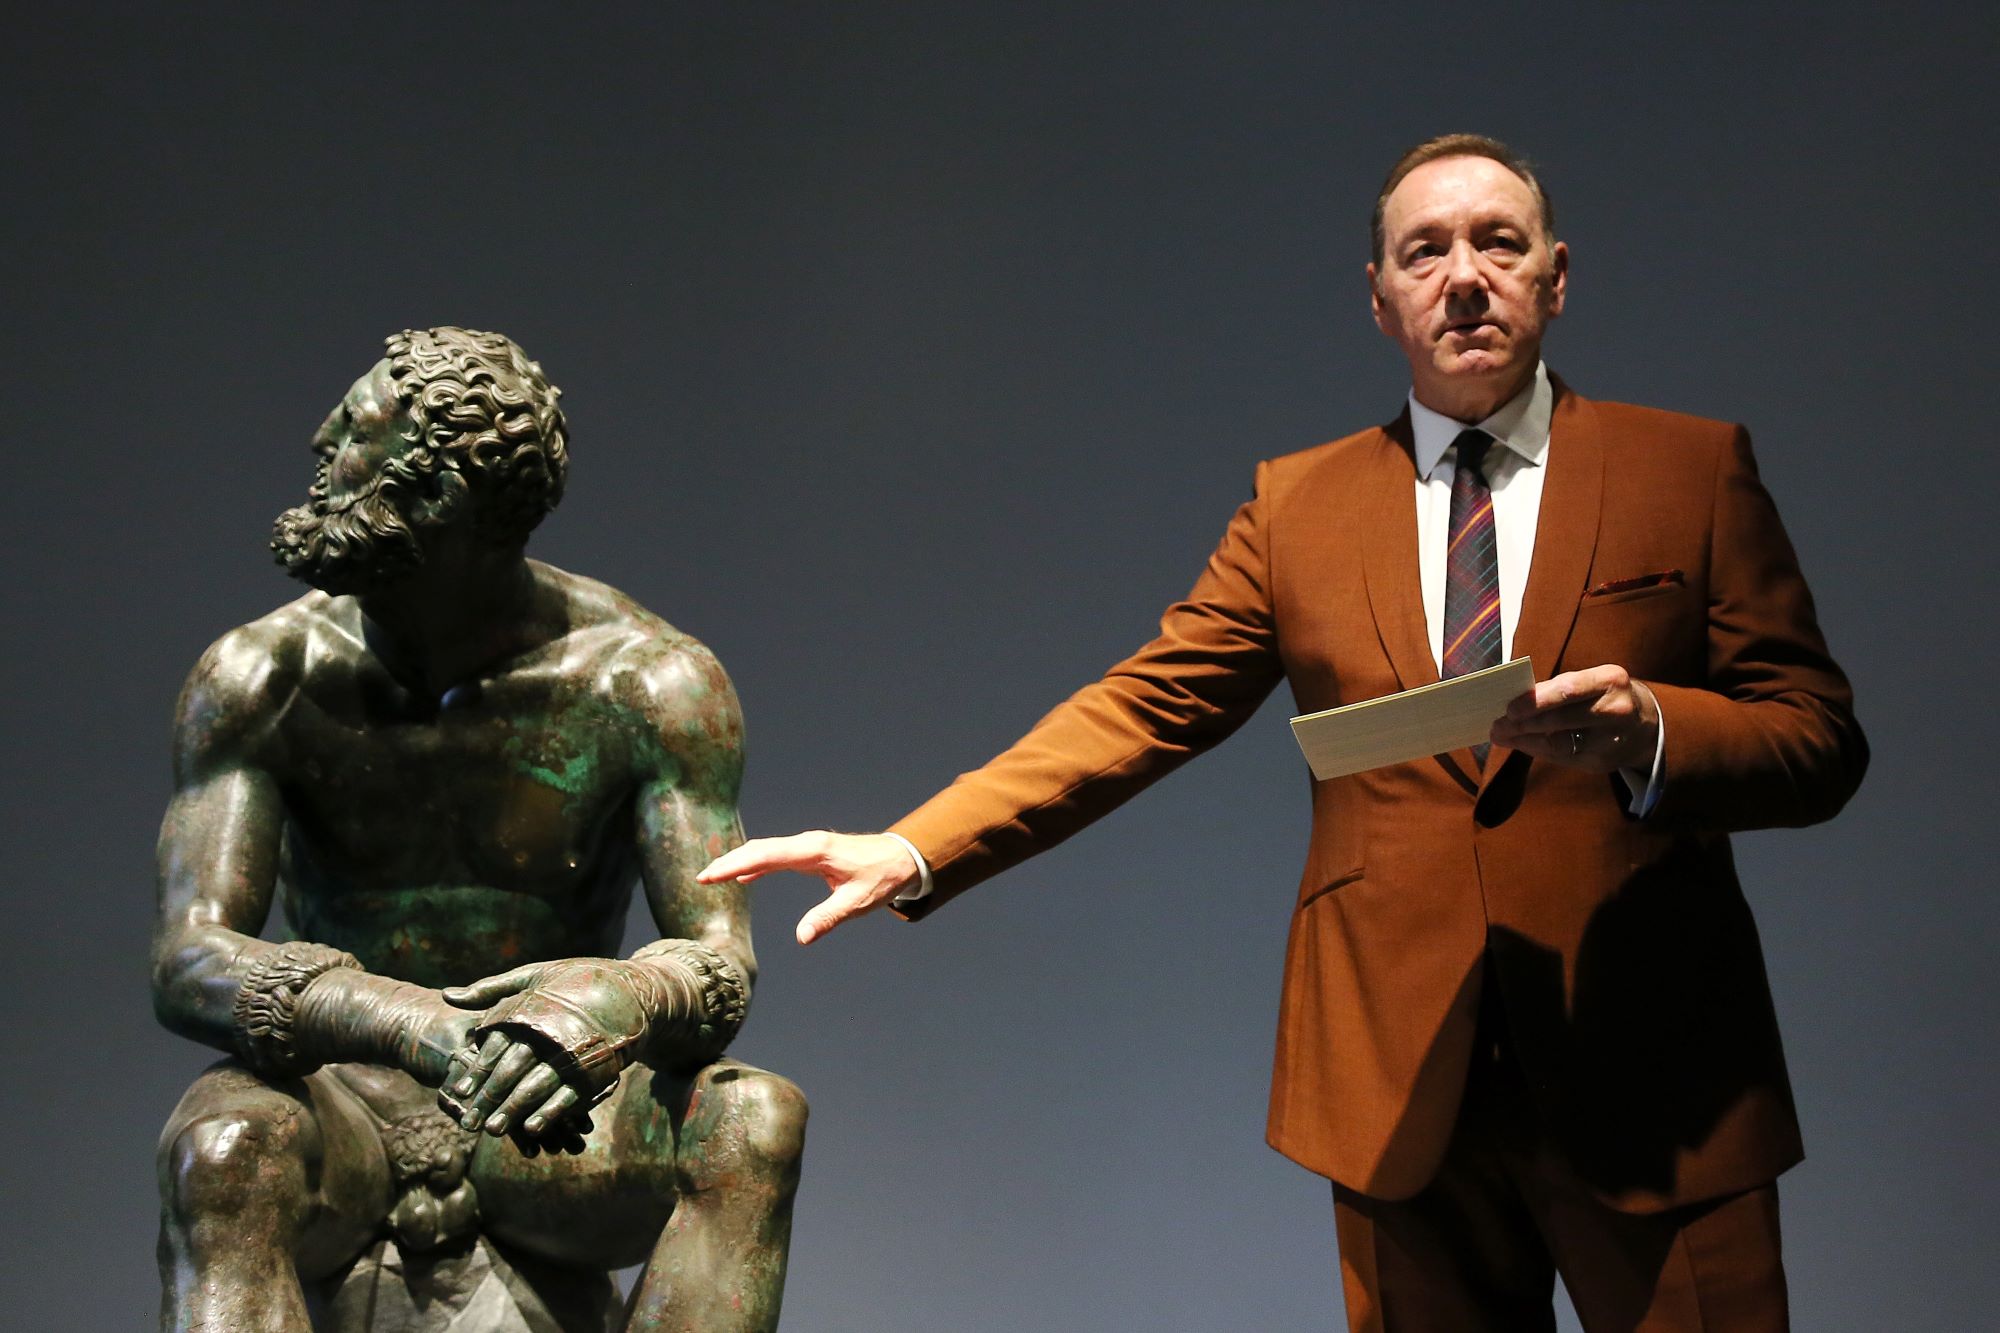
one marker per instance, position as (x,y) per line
(862,871)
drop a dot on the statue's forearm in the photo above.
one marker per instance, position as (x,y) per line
(698,997)
(349,1015)
(286,1009)
(197,974)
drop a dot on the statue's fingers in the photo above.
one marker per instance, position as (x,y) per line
(513,1064)
(552,1110)
(528,1094)
(470,1066)
(458,1074)
(488,991)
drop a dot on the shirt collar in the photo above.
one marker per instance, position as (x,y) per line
(1522,424)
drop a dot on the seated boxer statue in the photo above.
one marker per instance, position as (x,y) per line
(449,763)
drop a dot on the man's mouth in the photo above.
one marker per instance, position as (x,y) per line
(1471,326)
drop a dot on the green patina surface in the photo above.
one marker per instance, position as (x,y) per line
(577,778)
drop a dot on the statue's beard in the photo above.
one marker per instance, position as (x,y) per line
(363,544)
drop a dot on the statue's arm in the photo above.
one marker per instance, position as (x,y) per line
(218,848)
(283,1008)
(687,815)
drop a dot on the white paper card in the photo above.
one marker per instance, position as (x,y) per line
(1428,720)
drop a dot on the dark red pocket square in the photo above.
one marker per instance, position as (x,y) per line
(1637,581)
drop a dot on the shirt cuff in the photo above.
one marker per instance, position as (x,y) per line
(1643,787)
(923,887)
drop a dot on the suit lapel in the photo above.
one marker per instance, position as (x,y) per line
(1565,536)
(1395,579)
(1389,555)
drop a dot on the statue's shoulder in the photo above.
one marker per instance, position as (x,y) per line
(638,658)
(242,683)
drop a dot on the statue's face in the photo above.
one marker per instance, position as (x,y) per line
(354,533)
(361,434)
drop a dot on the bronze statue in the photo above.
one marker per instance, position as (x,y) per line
(448,763)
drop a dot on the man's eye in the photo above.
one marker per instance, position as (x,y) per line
(1424,252)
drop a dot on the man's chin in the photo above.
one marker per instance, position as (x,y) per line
(344,554)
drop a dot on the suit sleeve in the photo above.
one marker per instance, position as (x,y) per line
(1771,740)
(1214,661)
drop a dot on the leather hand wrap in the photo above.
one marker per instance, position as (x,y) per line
(676,1002)
(267,1002)
(712,1001)
(584,1017)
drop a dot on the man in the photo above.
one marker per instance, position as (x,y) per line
(1525,1026)
(451,761)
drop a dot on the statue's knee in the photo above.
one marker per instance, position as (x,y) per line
(768,1115)
(229,1162)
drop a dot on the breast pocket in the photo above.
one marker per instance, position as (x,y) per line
(1655,632)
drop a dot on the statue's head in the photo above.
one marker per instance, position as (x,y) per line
(453,431)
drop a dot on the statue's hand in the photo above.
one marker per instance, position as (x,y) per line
(439,1037)
(549,1046)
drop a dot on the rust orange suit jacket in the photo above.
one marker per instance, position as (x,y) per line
(1626,958)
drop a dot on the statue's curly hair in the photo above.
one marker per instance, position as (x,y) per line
(481,408)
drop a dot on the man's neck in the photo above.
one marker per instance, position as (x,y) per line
(1473,402)
(444,626)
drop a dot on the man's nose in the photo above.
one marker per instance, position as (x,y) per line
(1461,269)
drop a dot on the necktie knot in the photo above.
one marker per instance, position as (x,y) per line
(1472,446)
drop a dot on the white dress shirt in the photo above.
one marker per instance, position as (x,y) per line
(1514,472)
(1515,468)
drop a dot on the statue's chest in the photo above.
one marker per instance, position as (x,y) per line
(508,790)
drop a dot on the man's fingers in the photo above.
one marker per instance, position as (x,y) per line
(515,1062)
(488,991)
(760,856)
(552,1110)
(839,906)
(1582,715)
(1570,687)
(527,1095)
(471,1070)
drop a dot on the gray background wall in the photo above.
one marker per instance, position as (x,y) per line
(916,355)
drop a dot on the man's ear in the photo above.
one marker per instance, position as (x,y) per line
(1375,299)
(447,501)
(1558,277)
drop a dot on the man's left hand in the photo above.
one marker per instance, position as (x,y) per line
(1598,719)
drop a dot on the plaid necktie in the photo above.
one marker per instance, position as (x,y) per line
(1471,569)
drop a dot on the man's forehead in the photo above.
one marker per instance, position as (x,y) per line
(1451,188)
(375,390)
(370,398)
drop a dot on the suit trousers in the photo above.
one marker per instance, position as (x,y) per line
(1480,1247)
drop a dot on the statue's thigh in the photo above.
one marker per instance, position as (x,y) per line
(659,1136)
(604,1206)
(299,1151)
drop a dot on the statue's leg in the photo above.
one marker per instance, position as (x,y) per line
(262,1184)
(694,1175)
(720,1262)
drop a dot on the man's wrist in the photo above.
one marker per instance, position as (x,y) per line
(1645,784)
(265,1013)
(922,888)
(697,998)
(352,1015)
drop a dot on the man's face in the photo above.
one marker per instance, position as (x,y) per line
(360,435)
(352,534)
(1468,282)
